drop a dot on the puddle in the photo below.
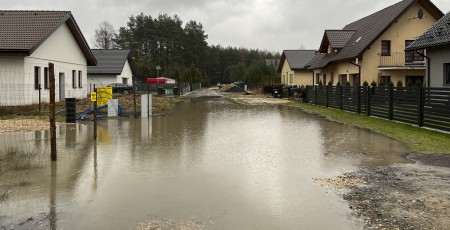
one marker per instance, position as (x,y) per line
(212,163)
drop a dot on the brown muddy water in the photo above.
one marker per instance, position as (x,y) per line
(221,164)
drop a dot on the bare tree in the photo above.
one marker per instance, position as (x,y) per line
(104,36)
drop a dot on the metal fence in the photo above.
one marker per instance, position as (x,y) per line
(424,107)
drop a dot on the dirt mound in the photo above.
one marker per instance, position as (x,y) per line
(232,89)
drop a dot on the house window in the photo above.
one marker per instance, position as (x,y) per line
(317,78)
(125,80)
(412,57)
(447,74)
(37,77)
(80,79)
(386,48)
(46,80)
(74,79)
(291,78)
(324,82)
(414,80)
(385,80)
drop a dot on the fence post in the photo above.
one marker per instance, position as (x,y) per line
(358,98)
(315,95)
(421,104)
(368,98)
(54,155)
(391,103)
(327,95)
(340,97)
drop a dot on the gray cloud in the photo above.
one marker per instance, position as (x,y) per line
(264,24)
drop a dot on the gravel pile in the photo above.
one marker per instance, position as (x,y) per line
(23,125)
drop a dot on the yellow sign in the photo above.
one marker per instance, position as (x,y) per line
(93,96)
(103,94)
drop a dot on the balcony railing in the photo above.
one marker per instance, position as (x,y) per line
(403,59)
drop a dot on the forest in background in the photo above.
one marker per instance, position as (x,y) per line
(182,52)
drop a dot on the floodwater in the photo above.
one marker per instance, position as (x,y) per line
(221,164)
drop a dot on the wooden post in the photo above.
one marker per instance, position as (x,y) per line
(134,95)
(327,95)
(54,155)
(340,97)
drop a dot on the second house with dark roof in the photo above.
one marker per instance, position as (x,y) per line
(373,48)
(113,66)
(292,67)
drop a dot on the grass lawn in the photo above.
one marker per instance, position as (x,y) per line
(417,139)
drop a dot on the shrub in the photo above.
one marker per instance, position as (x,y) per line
(338,84)
(419,83)
(373,83)
(347,84)
(399,83)
(330,83)
(365,83)
(320,83)
(409,83)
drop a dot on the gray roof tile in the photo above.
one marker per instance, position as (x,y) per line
(339,38)
(109,61)
(369,29)
(297,59)
(24,31)
(437,35)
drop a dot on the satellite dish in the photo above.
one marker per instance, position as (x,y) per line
(420,14)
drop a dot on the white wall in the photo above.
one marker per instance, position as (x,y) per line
(126,73)
(102,80)
(12,80)
(62,50)
(438,56)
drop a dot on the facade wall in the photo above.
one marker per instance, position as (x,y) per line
(62,50)
(438,57)
(12,81)
(126,73)
(102,80)
(286,71)
(336,70)
(406,28)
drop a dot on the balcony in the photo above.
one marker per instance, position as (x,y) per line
(402,60)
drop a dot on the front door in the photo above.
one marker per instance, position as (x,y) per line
(62,87)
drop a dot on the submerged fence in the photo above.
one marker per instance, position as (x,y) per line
(424,107)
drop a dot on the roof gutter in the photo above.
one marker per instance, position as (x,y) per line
(359,70)
(428,67)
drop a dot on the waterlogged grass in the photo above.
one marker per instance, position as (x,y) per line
(15,158)
(417,139)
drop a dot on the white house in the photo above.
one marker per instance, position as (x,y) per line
(113,66)
(29,41)
(436,41)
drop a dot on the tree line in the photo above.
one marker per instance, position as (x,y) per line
(182,52)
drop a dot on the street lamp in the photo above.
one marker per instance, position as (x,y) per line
(157,70)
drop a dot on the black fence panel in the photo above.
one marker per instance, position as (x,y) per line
(437,108)
(428,107)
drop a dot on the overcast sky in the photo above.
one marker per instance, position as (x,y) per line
(272,25)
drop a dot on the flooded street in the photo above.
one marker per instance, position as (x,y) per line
(212,162)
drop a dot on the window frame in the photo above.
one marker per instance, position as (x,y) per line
(37,77)
(291,78)
(80,79)
(74,79)
(446,76)
(46,78)
(386,51)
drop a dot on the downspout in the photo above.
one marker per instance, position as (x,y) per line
(428,67)
(359,70)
